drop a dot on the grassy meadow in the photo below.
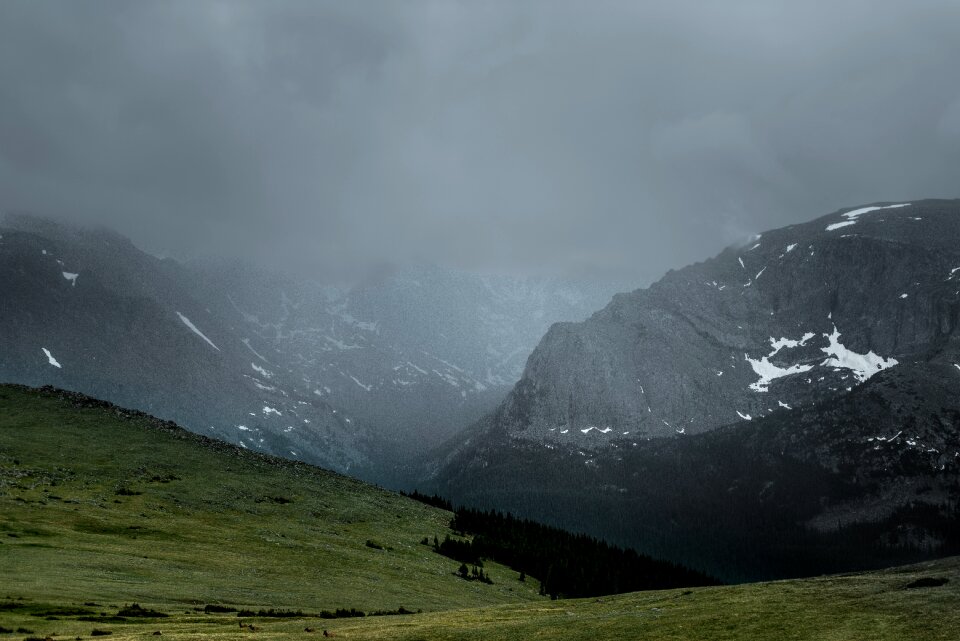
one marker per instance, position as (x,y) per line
(100,510)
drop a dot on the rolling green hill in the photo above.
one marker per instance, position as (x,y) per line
(101,508)
(104,505)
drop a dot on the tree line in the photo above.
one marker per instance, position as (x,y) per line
(567,565)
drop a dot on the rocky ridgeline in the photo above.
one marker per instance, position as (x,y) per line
(354,380)
(795,316)
(788,407)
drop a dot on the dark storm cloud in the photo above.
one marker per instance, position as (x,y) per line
(631,136)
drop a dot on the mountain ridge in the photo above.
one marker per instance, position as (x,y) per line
(853,344)
(733,336)
(353,379)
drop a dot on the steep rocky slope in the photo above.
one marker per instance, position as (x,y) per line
(353,379)
(788,407)
(797,315)
(87,311)
(415,353)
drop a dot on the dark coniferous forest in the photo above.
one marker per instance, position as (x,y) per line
(567,565)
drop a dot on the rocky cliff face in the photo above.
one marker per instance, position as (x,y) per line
(789,407)
(795,316)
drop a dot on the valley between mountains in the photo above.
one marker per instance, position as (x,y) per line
(356,379)
(786,409)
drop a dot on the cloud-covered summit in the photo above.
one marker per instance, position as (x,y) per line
(552,136)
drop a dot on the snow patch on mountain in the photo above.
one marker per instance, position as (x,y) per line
(605,430)
(51,359)
(845,223)
(193,328)
(419,369)
(779,343)
(852,216)
(863,366)
(856,213)
(768,372)
(262,371)
(365,387)
(246,341)
(450,379)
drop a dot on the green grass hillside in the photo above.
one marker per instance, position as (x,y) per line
(102,505)
(101,509)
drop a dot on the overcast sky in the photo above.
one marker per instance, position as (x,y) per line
(549,136)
